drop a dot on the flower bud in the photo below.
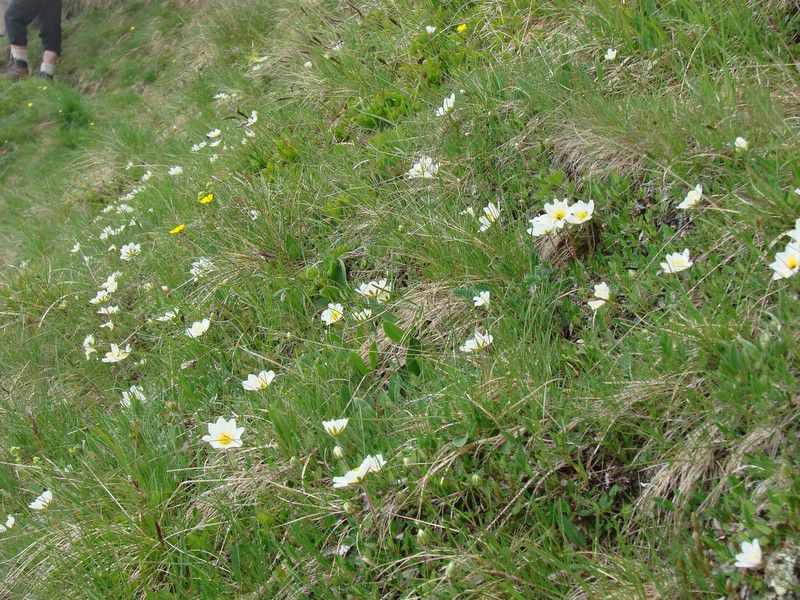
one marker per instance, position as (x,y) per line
(423,537)
(450,570)
(476,479)
(338,452)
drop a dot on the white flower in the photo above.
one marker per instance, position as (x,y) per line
(308,64)
(42,501)
(168,316)
(676,262)
(580,212)
(332,314)
(147,176)
(478,342)
(253,119)
(10,520)
(424,168)
(610,54)
(201,268)
(430,29)
(110,284)
(128,251)
(693,196)
(558,210)
(214,133)
(335,427)
(249,133)
(447,105)
(117,354)
(254,214)
(107,325)
(129,166)
(214,144)
(750,557)
(135,391)
(213,158)
(256,383)
(601,295)
(363,315)
(542,225)
(199,146)
(482,299)
(76,248)
(740,144)
(198,328)
(468,211)
(379,290)
(787,263)
(223,434)
(355,477)
(221,96)
(491,213)
(176,170)
(100,297)
(88,346)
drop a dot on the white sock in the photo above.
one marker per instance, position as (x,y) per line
(48,68)
(19,54)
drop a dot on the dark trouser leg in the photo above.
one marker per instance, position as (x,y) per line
(50,25)
(19,15)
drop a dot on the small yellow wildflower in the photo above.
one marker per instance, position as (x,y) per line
(204,198)
(461,28)
(178,229)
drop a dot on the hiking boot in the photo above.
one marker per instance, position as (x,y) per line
(45,76)
(16,70)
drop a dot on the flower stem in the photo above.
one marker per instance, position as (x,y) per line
(230,460)
(371,507)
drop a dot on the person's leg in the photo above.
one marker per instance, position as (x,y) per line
(19,15)
(50,32)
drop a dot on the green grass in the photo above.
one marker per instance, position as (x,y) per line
(621,454)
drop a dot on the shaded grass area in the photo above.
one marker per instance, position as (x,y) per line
(622,453)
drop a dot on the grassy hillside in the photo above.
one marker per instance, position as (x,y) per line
(279,168)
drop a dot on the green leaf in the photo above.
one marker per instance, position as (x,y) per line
(461,440)
(393,332)
(358,365)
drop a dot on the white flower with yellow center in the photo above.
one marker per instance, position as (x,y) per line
(214,133)
(580,212)
(110,284)
(100,297)
(224,435)
(363,315)
(198,328)
(491,214)
(76,248)
(693,196)
(108,310)
(541,225)
(379,290)
(128,251)
(558,210)
(610,54)
(117,354)
(174,171)
(335,427)
(482,299)
(332,314)
(355,477)
(42,501)
(740,144)
(107,325)
(677,262)
(601,295)
(794,234)
(787,263)
(750,557)
(168,316)
(478,342)
(10,520)
(256,383)
(430,29)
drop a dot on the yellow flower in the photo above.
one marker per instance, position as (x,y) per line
(461,28)
(177,229)
(204,198)
(30,104)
